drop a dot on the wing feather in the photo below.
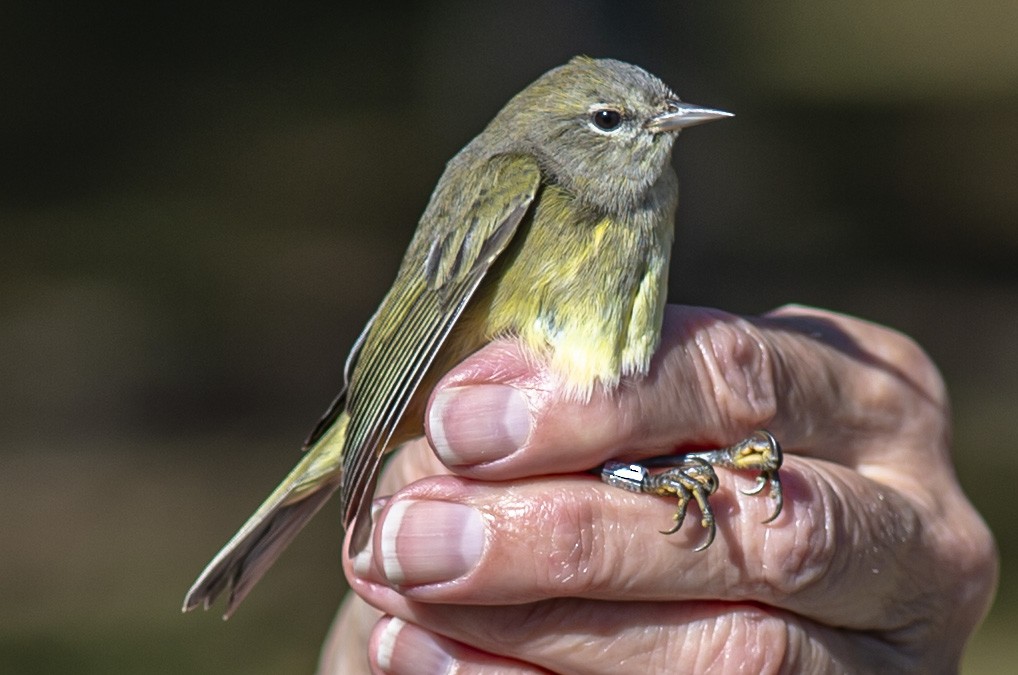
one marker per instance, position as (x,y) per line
(460,236)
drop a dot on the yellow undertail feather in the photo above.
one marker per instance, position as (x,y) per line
(246,557)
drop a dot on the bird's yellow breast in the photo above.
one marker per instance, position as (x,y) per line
(584,292)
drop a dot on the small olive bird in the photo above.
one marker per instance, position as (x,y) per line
(553,227)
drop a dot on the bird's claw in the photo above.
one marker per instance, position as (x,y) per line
(691,476)
(760,451)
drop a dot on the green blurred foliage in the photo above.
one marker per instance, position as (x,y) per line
(200,205)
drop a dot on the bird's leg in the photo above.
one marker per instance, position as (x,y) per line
(691,475)
(760,451)
(688,478)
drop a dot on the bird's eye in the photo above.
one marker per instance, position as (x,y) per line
(607,119)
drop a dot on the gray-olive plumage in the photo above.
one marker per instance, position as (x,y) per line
(552,227)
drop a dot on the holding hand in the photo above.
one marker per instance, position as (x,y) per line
(522,562)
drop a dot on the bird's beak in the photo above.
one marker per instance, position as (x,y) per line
(681,115)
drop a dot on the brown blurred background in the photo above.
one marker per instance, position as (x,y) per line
(201,203)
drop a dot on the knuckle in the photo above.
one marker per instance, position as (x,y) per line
(873,376)
(797,561)
(807,559)
(913,360)
(903,387)
(723,644)
(577,553)
(889,350)
(737,368)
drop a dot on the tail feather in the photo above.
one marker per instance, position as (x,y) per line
(250,553)
(244,561)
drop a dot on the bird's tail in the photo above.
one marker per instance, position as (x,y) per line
(250,553)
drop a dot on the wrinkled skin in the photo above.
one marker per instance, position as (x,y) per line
(878,561)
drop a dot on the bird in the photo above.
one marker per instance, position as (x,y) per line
(553,227)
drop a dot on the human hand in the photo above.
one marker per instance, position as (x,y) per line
(878,562)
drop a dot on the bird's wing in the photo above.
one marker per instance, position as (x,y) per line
(470,221)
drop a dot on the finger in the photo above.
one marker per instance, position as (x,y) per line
(827,385)
(401,648)
(451,540)
(577,636)
(847,385)
(345,648)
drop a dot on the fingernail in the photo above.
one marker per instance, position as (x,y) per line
(362,561)
(403,648)
(427,542)
(478,423)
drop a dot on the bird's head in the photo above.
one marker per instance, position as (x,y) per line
(601,128)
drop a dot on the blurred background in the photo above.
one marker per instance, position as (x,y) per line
(202,203)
